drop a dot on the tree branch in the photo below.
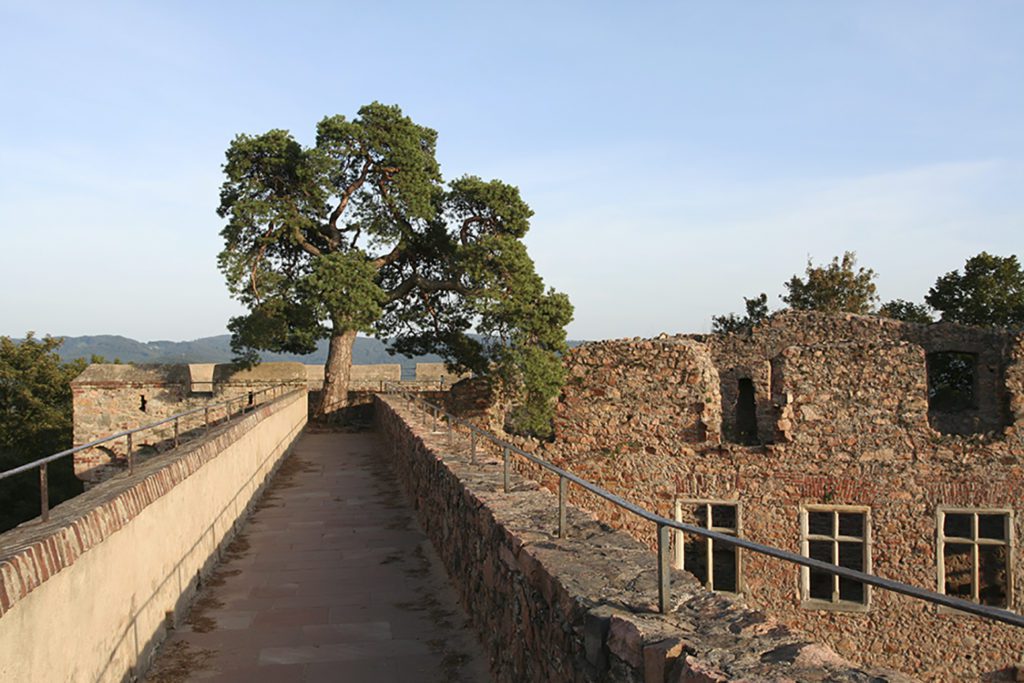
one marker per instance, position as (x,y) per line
(388,258)
(345,197)
(416,280)
(307,246)
(466,224)
(256,261)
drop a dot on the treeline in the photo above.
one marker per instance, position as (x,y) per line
(35,421)
(988,293)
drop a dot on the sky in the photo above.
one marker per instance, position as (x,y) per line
(678,155)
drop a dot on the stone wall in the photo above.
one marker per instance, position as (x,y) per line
(87,595)
(108,398)
(843,418)
(363,377)
(580,608)
(438,374)
(747,355)
(677,400)
(849,396)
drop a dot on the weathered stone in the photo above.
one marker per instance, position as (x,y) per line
(659,658)
(582,608)
(842,417)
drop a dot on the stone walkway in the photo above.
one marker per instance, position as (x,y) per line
(331,580)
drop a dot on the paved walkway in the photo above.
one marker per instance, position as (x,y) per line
(331,580)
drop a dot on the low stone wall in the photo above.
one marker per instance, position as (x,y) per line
(437,373)
(87,595)
(108,398)
(581,608)
(362,377)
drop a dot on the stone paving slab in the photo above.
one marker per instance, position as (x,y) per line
(330,580)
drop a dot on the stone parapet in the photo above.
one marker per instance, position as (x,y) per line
(581,608)
(437,374)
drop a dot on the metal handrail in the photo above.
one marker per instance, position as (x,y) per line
(248,402)
(664,525)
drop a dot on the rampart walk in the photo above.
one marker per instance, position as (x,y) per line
(85,596)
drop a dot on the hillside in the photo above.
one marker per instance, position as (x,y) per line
(365,351)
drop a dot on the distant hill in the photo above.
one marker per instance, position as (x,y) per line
(365,351)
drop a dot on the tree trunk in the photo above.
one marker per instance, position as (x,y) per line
(337,373)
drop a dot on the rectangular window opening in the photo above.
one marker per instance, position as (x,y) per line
(974,555)
(837,535)
(951,381)
(715,564)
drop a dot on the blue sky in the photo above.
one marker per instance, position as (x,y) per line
(678,156)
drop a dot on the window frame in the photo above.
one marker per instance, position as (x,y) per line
(707,549)
(835,604)
(940,545)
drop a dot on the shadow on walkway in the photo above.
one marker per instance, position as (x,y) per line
(331,579)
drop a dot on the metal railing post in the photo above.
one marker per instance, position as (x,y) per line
(664,572)
(131,455)
(206,418)
(505,457)
(44,494)
(679,541)
(448,419)
(563,493)
(472,445)
(433,424)
(176,432)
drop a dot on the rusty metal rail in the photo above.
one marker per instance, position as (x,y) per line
(247,402)
(665,525)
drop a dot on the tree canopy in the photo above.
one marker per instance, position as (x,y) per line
(757,312)
(837,287)
(360,233)
(35,421)
(907,311)
(990,291)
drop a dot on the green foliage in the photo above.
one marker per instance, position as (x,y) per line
(907,311)
(757,312)
(951,381)
(35,421)
(834,288)
(990,292)
(359,232)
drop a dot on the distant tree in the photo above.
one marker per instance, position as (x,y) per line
(360,233)
(990,292)
(35,421)
(907,311)
(834,288)
(757,312)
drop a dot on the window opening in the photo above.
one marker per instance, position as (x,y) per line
(715,564)
(974,555)
(951,380)
(746,412)
(839,536)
